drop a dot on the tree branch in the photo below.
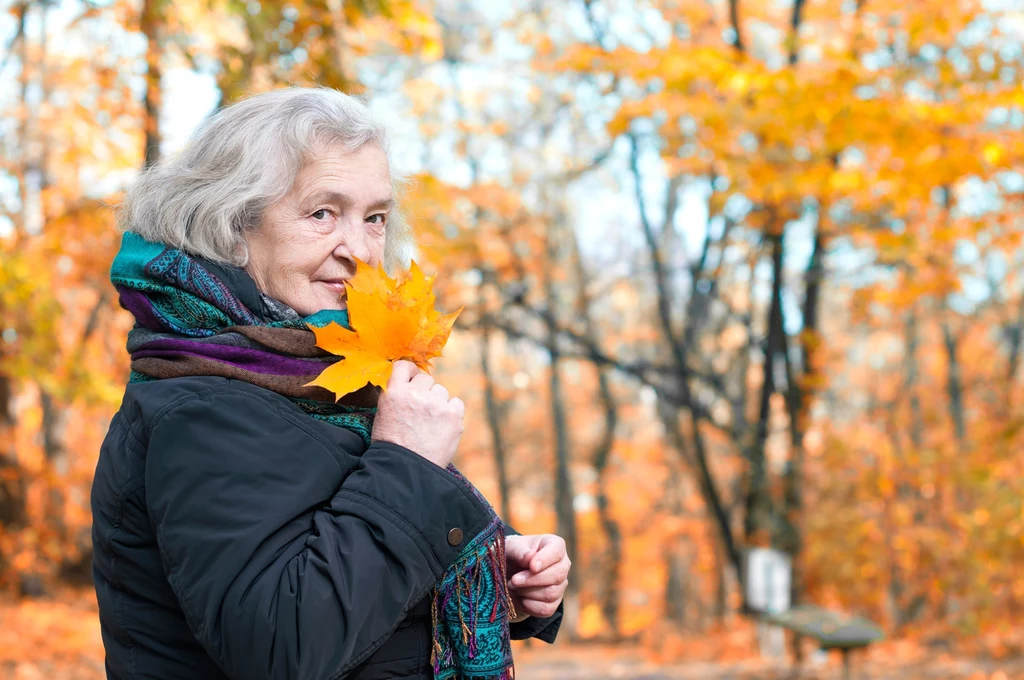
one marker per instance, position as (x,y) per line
(19,34)
(734,19)
(794,42)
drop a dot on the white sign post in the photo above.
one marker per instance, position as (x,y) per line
(768,576)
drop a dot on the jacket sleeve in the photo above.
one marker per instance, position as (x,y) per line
(543,629)
(281,571)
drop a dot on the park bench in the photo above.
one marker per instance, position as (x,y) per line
(831,630)
(767,578)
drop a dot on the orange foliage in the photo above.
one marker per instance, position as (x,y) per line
(882,136)
(390,319)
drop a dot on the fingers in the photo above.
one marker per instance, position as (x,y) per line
(402,372)
(422,381)
(552,593)
(550,551)
(458,406)
(553,575)
(418,414)
(536,608)
(406,372)
(520,550)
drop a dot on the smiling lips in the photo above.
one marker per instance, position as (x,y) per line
(335,285)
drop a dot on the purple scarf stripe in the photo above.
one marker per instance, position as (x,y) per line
(242,357)
(141,308)
(148,316)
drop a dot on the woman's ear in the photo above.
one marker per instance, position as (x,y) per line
(241,255)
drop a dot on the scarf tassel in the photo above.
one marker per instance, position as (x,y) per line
(461,602)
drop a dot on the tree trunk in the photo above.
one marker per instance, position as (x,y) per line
(564,512)
(494,414)
(494,424)
(13,511)
(954,384)
(25,132)
(697,462)
(602,452)
(563,479)
(12,481)
(721,606)
(694,457)
(799,393)
(676,587)
(54,415)
(610,601)
(12,485)
(151,25)
(1015,337)
(794,33)
(734,19)
(757,521)
(54,418)
(916,418)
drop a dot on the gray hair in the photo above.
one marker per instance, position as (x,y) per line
(244,159)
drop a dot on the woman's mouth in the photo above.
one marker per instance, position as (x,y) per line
(337,287)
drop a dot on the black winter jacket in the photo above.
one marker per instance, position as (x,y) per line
(236,537)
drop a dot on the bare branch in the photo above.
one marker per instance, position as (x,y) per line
(19,34)
(734,19)
(794,42)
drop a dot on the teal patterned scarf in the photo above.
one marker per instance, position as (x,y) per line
(189,322)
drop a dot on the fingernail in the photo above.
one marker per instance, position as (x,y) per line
(518,579)
(535,566)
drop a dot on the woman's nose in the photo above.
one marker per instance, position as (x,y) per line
(354,244)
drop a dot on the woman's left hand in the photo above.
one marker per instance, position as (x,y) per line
(538,570)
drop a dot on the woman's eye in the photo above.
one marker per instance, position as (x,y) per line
(320,214)
(381,217)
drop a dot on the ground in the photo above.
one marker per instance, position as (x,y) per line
(59,639)
(605,664)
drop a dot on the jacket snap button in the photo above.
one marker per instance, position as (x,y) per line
(455,536)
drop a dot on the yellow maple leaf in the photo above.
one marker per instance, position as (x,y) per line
(389,319)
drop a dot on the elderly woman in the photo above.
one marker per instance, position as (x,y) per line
(245,525)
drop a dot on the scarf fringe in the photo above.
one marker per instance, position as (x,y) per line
(477,563)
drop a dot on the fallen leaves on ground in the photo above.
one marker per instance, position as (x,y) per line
(51,638)
(59,638)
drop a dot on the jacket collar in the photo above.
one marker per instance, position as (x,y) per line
(244,288)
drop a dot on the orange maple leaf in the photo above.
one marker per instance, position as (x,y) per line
(389,319)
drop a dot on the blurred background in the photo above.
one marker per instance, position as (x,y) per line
(737,274)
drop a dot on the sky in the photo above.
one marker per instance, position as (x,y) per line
(603,202)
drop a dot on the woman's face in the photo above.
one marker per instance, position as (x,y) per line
(336,212)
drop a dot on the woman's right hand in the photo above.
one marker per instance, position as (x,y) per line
(417,413)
